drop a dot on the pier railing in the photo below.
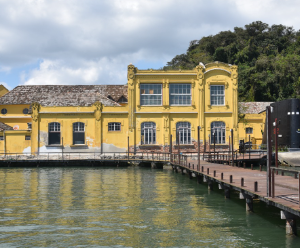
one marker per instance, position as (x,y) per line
(218,156)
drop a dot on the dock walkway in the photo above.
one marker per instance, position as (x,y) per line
(252,184)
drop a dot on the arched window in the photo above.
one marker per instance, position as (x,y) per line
(54,133)
(78,133)
(183,132)
(148,133)
(218,132)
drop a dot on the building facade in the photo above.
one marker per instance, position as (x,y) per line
(157,109)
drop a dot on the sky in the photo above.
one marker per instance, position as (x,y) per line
(93,41)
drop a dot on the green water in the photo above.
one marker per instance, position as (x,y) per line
(131,207)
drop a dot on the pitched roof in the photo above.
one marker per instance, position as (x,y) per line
(253,107)
(65,95)
(5,127)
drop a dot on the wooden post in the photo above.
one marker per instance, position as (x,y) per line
(198,166)
(229,150)
(128,147)
(249,148)
(255,186)
(273,184)
(227,192)
(170,147)
(231,132)
(214,145)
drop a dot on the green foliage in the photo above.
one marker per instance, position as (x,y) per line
(268,58)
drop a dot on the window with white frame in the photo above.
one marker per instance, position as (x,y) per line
(151,94)
(217,95)
(78,133)
(54,133)
(218,132)
(148,133)
(249,130)
(114,126)
(183,133)
(180,94)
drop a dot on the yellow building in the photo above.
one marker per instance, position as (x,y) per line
(252,121)
(152,107)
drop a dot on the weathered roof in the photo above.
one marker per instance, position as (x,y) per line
(65,95)
(253,107)
(4,127)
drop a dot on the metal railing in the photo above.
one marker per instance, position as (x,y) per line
(68,156)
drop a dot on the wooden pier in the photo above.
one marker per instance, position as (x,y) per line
(251,184)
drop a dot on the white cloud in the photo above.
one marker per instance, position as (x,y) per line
(93,41)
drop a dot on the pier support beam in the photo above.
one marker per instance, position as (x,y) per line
(227,192)
(249,201)
(190,175)
(155,165)
(199,179)
(290,227)
(210,184)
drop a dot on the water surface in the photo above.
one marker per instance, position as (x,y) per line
(127,207)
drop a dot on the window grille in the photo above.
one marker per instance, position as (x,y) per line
(180,94)
(151,94)
(148,133)
(218,132)
(183,132)
(217,95)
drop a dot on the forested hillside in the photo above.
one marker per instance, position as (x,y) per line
(268,58)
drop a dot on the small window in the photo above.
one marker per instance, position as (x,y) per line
(114,126)
(27,137)
(4,111)
(29,125)
(25,111)
(151,94)
(249,130)
(1,138)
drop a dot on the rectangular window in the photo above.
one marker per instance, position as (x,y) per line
(217,95)
(78,133)
(249,130)
(1,137)
(180,94)
(151,94)
(27,137)
(114,126)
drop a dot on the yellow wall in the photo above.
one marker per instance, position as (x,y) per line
(255,121)
(3,90)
